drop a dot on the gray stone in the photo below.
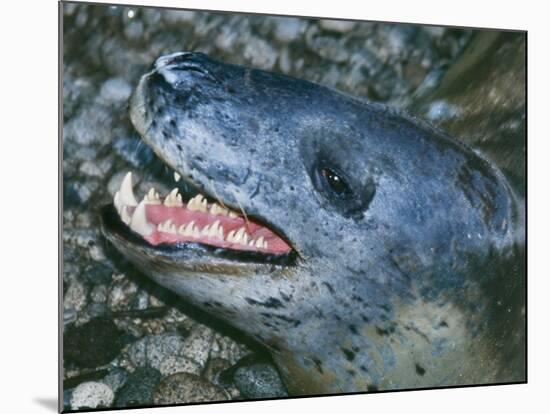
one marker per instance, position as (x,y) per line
(116,379)
(139,388)
(288,29)
(186,388)
(115,90)
(92,395)
(259,380)
(339,26)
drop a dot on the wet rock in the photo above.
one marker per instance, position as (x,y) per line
(153,350)
(288,29)
(339,26)
(214,368)
(139,388)
(75,296)
(91,395)
(115,90)
(260,54)
(198,344)
(255,377)
(116,379)
(186,388)
(89,126)
(92,344)
(172,365)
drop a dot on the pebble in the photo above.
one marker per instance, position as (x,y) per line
(139,388)
(153,350)
(339,26)
(115,90)
(92,394)
(186,388)
(116,378)
(260,54)
(92,344)
(75,296)
(288,29)
(259,380)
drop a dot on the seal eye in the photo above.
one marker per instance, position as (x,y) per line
(336,183)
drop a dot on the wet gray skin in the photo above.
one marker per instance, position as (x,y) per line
(406,270)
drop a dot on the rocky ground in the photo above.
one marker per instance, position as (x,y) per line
(127,341)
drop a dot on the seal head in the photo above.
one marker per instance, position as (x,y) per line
(394,253)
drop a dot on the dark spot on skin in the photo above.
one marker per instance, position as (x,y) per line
(267,315)
(270,303)
(350,355)
(353,329)
(444,324)
(372,388)
(179,147)
(419,370)
(351,372)
(295,322)
(285,297)
(173,123)
(365,318)
(357,298)
(218,304)
(329,287)
(337,317)
(363,368)
(381,332)
(318,364)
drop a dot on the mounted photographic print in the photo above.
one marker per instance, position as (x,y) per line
(260,207)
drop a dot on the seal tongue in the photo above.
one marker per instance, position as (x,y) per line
(174,221)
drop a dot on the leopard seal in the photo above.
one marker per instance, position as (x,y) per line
(390,254)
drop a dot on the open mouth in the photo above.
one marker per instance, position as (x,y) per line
(172,221)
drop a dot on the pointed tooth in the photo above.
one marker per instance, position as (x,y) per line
(172,229)
(196,232)
(203,206)
(181,230)
(265,244)
(205,230)
(126,191)
(189,229)
(231,236)
(139,222)
(124,216)
(239,236)
(259,242)
(251,243)
(116,201)
(244,239)
(152,197)
(232,214)
(195,202)
(220,232)
(214,229)
(173,199)
(177,177)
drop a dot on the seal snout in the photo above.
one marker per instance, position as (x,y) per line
(181,67)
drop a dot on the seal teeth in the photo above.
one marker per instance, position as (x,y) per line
(116,201)
(139,222)
(126,192)
(259,242)
(177,177)
(167,227)
(187,229)
(198,203)
(216,210)
(124,215)
(173,199)
(152,197)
